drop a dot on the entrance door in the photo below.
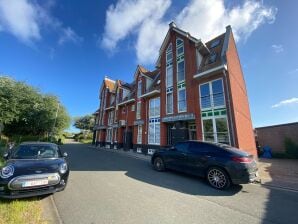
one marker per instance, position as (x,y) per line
(127,139)
(192,131)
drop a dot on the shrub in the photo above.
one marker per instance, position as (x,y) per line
(291,148)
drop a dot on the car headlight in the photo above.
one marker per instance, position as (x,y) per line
(63,168)
(7,171)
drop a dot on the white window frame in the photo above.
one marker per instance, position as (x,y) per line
(109,135)
(213,118)
(172,110)
(139,93)
(155,121)
(178,97)
(139,136)
(177,62)
(138,113)
(211,95)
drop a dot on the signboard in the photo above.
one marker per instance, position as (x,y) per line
(179,117)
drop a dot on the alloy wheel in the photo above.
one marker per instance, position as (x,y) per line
(217,178)
(159,164)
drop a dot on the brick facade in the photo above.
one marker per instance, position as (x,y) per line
(210,94)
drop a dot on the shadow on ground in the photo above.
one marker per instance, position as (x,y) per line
(82,158)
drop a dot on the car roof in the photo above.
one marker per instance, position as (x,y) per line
(37,143)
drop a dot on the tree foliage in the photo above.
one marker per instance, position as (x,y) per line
(24,110)
(85,122)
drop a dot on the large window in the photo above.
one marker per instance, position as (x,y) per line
(169,100)
(139,88)
(139,139)
(180,60)
(213,110)
(215,129)
(182,100)
(169,80)
(154,107)
(138,114)
(212,94)
(111,117)
(109,135)
(154,121)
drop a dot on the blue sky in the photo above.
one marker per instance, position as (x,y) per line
(67,47)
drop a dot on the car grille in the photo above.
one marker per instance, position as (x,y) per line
(19,183)
(29,191)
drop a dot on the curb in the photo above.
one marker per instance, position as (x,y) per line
(58,217)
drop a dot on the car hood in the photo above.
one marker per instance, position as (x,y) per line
(35,166)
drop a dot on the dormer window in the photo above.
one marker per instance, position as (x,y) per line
(215,43)
(212,58)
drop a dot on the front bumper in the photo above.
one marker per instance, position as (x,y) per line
(12,189)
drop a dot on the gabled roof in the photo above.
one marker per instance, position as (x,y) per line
(173,27)
(140,69)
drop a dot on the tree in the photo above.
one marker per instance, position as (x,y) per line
(85,122)
(24,110)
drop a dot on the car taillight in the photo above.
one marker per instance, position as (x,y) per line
(242,159)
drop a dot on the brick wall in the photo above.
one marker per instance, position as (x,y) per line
(244,136)
(274,136)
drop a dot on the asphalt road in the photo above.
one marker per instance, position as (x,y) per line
(107,187)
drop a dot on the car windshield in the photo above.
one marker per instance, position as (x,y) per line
(35,152)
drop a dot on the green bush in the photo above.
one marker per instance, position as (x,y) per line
(291,148)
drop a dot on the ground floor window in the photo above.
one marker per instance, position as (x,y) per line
(109,135)
(215,129)
(154,131)
(115,134)
(139,137)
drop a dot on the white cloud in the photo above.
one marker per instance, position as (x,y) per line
(277,48)
(68,35)
(26,20)
(203,19)
(291,101)
(19,17)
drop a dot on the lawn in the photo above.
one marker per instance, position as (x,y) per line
(21,211)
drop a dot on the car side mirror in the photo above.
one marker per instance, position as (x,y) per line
(5,156)
(65,154)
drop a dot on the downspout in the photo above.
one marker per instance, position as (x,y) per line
(230,111)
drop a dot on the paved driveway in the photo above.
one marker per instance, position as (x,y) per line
(107,187)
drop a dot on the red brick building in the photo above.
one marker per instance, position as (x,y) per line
(196,92)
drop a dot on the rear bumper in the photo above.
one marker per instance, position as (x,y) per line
(245,177)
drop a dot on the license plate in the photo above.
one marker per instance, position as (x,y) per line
(33,183)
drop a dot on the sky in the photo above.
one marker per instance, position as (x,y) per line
(67,47)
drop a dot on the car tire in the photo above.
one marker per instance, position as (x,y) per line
(158,164)
(218,178)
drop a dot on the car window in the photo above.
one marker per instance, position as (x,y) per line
(200,147)
(35,151)
(182,147)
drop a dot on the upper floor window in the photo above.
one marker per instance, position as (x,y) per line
(124,93)
(139,88)
(154,107)
(169,66)
(138,114)
(180,60)
(212,94)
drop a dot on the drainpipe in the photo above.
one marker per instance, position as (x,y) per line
(230,111)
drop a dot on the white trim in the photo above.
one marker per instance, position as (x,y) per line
(125,102)
(221,67)
(150,93)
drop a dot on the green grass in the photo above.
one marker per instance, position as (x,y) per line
(21,211)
